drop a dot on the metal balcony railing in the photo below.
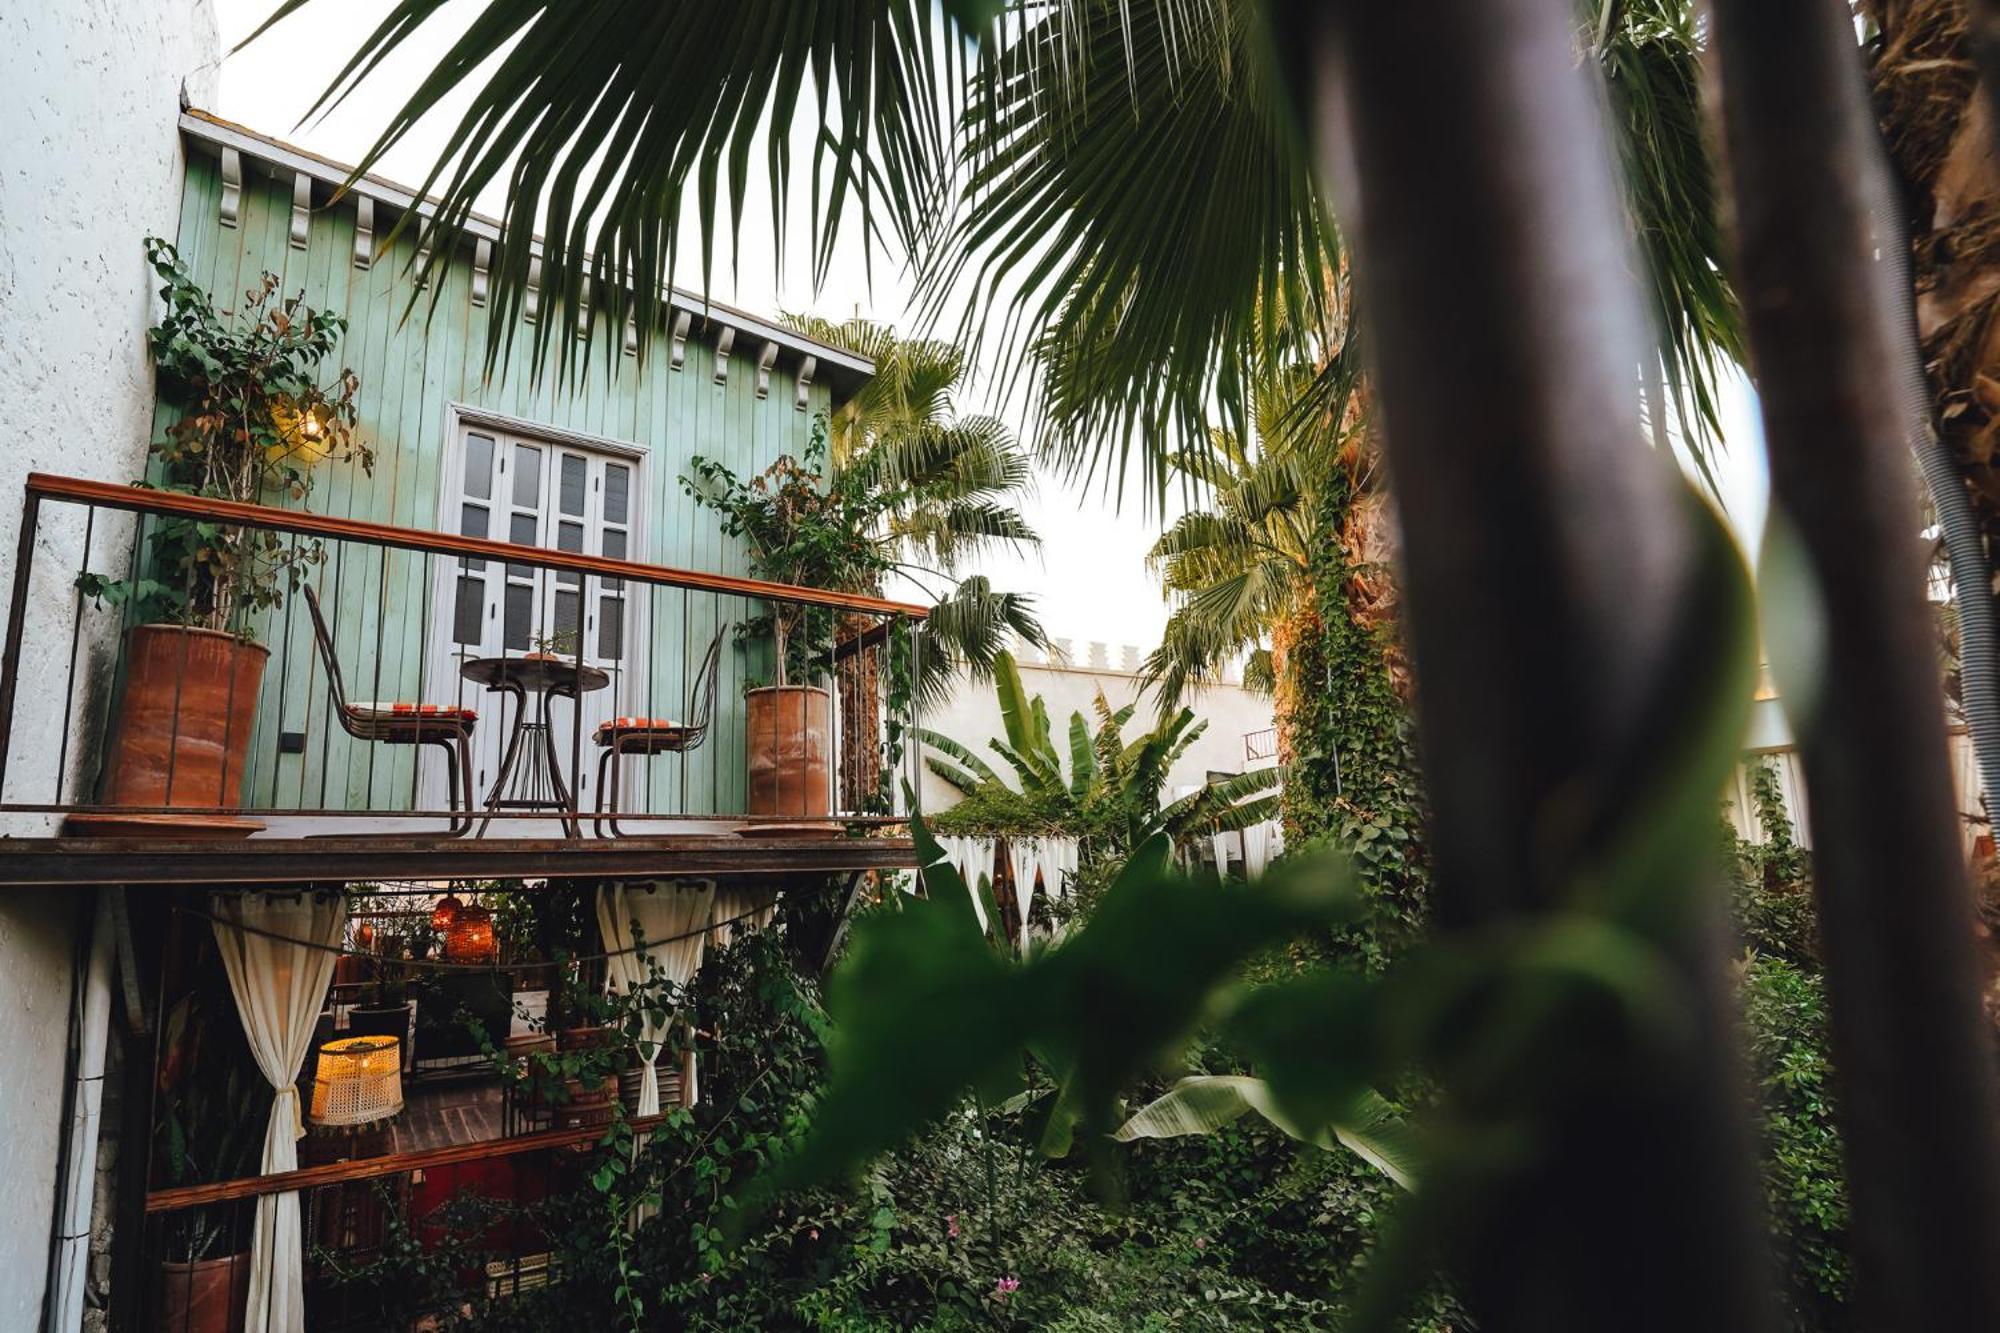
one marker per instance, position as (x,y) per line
(448,686)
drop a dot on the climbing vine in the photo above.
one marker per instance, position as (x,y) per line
(1346,733)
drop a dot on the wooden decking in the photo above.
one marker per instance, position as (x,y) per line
(447,1114)
(723,856)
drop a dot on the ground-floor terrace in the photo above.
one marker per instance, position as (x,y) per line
(312,1089)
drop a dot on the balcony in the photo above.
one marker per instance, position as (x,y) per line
(421,705)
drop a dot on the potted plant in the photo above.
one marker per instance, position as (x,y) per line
(558,647)
(811,526)
(384,1010)
(215,1105)
(254,420)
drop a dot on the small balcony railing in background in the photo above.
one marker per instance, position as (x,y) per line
(408,612)
(1260,746)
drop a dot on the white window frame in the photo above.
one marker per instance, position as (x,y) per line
(441,649)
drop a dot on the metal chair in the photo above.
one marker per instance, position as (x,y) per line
(444,725)
(649,736)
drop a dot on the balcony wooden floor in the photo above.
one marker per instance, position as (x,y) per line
(306,860)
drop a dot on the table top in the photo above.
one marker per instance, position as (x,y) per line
(534,673)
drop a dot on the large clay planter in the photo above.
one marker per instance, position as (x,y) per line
(184,723)
(207,1296)
(788,736)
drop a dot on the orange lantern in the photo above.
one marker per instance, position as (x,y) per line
(364,936)
(471,938)
(445,913)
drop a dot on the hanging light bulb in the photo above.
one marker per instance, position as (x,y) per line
(446,912)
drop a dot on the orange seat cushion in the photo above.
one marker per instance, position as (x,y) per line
(412,712)
(628,725)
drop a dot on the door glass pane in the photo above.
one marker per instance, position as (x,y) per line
(617,484)
(610,627)
(566,621)
(521,531)
(573,472)
(470,609)
(569,537)
(472,523)
(527,476)
(614,547)
(517,627)
(479,467)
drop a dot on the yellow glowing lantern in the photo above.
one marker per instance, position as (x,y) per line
(446,912)
(302,434)
(359,1080)
(471,939)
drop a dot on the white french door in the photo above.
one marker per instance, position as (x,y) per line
(557,496)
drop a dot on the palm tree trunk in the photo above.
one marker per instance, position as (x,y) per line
(1918,1095)
(1549,565)
(1937,115)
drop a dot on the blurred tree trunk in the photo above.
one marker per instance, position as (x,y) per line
(1550,579)
(1917,1093)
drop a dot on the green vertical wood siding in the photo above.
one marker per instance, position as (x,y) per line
(413,367)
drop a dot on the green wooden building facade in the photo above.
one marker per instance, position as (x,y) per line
(590,463)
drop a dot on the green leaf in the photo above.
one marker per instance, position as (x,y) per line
(1203,1104)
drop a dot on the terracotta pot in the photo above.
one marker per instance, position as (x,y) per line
(586,1038)
(185,719)
(207,1296)
(526,1043)
(588,1106)
(787,735)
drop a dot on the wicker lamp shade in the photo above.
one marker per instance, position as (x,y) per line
(446,912)
(471,938)
(358,1081)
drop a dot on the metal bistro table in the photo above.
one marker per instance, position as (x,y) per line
(533,780)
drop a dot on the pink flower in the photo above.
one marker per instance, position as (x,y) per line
(951,1226)
(1201,1242)
(1006,1287)
(813,1234)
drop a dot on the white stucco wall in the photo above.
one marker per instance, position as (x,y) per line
(972,718)
(89,165)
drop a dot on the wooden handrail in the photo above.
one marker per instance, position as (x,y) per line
(140,499)
(337,1173)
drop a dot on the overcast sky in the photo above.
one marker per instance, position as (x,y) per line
(1089,581)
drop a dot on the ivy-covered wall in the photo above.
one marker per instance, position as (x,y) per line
(1347,735)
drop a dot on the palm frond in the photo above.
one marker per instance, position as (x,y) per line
(1205,1103)
(960,754)
(960,779)
(1650,56)
(605,120)
(1082,758)
(1118,144)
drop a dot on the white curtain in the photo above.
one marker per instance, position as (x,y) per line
(673,918)
(1065,855)
(1221,841)
(279,976)
(973,859)
(741,910)
(1060,858)
(1257,847)
(1024,862)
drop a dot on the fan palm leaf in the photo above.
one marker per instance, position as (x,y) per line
(1120,182)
